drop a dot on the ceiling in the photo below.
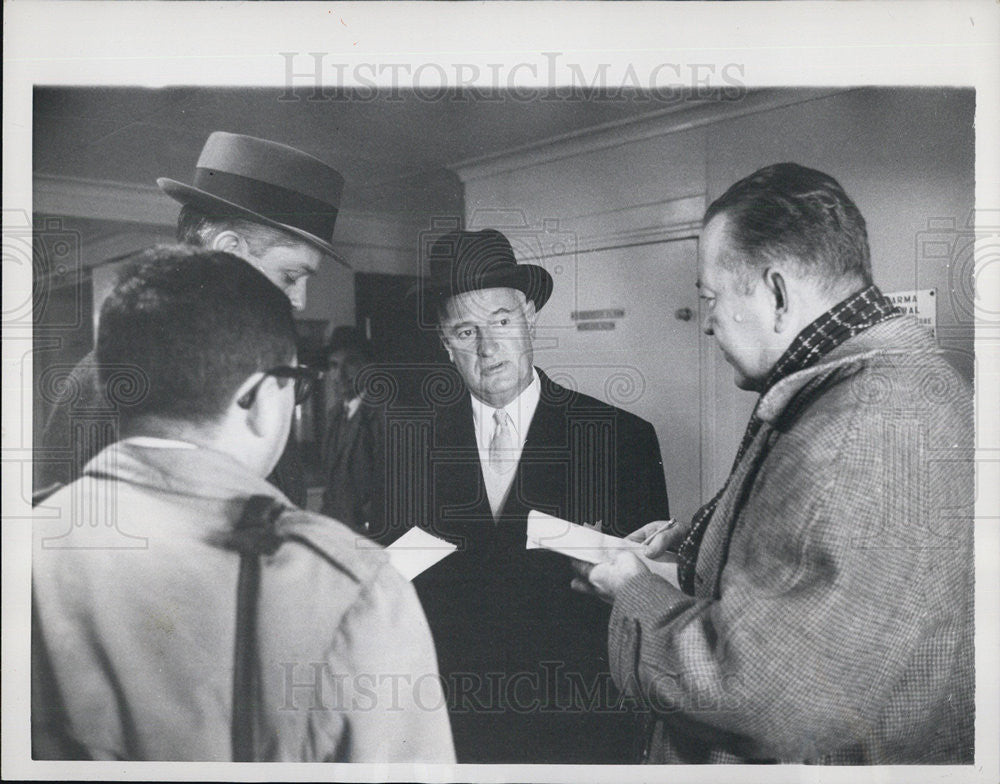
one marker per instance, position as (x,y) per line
(384,144)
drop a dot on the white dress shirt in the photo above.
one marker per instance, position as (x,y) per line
(520,412)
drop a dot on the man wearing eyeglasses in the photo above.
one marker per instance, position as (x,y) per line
(182,607)
(271,205)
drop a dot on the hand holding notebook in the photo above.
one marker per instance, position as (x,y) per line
(588,544)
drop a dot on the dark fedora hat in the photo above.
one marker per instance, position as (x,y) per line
(462,261)
(266,182)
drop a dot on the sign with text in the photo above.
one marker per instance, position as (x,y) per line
(921,303)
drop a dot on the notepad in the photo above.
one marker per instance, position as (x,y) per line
(590,545)
(417,551)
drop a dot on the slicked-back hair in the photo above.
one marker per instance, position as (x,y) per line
(797,215)
(197,228)
(195,324)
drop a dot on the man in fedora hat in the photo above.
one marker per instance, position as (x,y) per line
(522,656)
(268,203)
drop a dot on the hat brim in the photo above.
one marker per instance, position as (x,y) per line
(213,205)
(533,281)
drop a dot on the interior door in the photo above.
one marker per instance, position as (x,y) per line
(623,325)
(386,314)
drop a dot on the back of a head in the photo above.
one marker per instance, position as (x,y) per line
(193,325)
(790,213)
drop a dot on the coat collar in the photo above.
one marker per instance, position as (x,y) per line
(198,472)
(900,335)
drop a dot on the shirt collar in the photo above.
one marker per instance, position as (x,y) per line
(155,442)
(521,410)
(351,406)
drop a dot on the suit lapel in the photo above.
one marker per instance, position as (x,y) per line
(347,433)
(332,432)
(460,505)
(540,478)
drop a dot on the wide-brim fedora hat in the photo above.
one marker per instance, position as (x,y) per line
(462,261)
(239,176)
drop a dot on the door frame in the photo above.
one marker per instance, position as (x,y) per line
(713,467)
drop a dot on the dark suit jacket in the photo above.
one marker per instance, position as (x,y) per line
(523,656)
(353,468)
(85,418)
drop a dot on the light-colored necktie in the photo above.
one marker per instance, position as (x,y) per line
(502,443)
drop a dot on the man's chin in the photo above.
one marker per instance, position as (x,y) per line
(498,391)
(745,383)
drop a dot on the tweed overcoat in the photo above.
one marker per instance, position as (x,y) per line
(832,620)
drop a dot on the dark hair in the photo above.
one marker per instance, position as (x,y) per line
(195,324)
(790,212)
(197,228)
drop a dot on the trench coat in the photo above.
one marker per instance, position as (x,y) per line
(134,592)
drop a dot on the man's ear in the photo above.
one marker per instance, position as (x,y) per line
(777,287)
(530,315)
(248,401)
(444,344)
(230,242)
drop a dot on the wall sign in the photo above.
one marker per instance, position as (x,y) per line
(921,303)
(596,320)
(608,313)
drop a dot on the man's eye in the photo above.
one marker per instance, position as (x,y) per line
(504,322)
(465,334)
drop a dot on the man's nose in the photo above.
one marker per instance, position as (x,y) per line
(486,343)
(297,294)
(706,324)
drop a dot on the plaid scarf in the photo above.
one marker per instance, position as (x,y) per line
(844,320)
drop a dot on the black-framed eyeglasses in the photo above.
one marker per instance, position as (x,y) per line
(304,377)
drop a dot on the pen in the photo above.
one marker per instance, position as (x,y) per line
(665,527)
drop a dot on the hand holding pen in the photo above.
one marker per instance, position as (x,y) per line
(659,537)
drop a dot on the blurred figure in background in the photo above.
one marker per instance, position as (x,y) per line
(354,444)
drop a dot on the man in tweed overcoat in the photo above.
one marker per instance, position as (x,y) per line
(825,612)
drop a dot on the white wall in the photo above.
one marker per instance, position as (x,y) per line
(905,156)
